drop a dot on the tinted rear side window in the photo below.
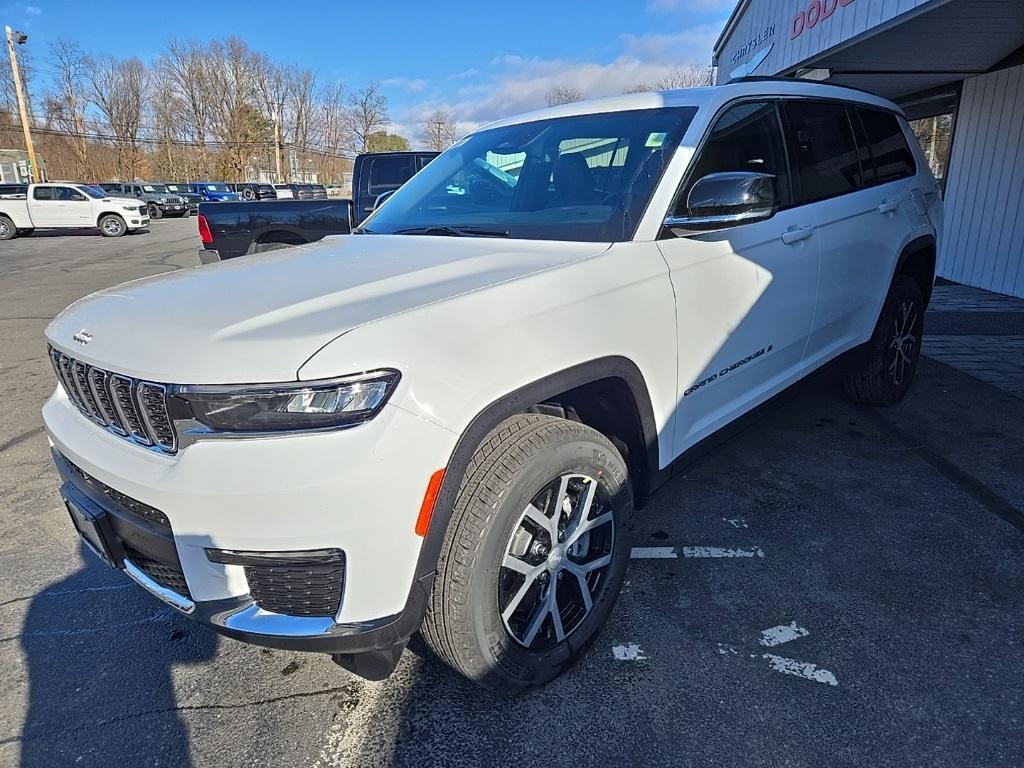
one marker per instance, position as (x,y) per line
(893,158)
(821,150)
(387,173)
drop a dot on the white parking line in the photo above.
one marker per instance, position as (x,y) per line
(628,652)
(803,669)
(722,552)
(639,553)
(782,634)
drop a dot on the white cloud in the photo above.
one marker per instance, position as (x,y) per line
(33,10)
(411,84)
(691,46)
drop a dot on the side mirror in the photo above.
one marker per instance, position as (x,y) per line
(381,198)
(722,200)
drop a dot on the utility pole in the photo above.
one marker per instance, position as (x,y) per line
(21,38)
(278,160)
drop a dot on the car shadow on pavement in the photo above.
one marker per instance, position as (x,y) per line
(83,232)
(99,653)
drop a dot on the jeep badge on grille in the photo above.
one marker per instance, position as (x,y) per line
(82,337)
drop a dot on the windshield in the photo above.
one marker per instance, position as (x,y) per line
(94,192)
(216,187)
(584,177)
(176,188)
(157,188)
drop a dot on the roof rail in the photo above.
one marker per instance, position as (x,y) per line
(762,79)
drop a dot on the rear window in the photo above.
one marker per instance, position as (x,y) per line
(889,149)
(42,193)
(822,150)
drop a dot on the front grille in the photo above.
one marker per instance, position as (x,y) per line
(130,408)
(125,502)
(169,576)
(299,589)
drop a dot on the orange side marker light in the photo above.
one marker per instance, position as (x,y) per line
(427,507)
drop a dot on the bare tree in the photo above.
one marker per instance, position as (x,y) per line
(366,114)
(65,105)
(688,76)
(121,90)
(563,94)
(438,131)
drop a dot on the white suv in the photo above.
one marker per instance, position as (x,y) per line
(445,421)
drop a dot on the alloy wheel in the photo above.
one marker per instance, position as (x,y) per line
(111,226)
(904,340)
(555,561)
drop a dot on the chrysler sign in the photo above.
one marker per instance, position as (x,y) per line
(816,11)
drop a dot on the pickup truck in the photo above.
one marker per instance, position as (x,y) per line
(252,227)
(70,206)
(445,423)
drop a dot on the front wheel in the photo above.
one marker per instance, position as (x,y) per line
(883,375)
(112,225)
(534,555)
(156,212)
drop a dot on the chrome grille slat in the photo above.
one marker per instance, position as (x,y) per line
(81,373)
(98,383)
(153,401)
(130,408)
(123,390)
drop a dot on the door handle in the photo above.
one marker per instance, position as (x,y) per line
(796,234)
(889,206)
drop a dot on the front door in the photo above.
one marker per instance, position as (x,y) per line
(745,295)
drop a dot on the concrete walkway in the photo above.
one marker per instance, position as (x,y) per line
(979,333)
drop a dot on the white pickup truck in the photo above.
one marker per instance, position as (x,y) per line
(70,206)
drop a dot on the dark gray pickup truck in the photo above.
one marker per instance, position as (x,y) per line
(229,230)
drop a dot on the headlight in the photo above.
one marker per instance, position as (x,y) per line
(132,208)
(162,200)
(281,407)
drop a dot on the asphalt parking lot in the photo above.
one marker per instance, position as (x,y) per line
(834,586)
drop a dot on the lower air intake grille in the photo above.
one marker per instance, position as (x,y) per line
(168,576)
(298,589)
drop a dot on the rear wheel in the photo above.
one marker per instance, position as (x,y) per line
(7,229)
(112,225)
(534,555)
(891,356)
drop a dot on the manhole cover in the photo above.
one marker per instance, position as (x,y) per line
(974,324)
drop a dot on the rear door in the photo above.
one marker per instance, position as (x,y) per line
(44,207)
(745,295)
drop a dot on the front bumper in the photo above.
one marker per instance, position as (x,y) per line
(267,495)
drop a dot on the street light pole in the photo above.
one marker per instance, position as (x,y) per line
(21,103)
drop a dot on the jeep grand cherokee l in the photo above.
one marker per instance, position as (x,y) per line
(444,421)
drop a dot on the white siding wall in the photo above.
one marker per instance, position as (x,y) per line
(762,15)
(984,236)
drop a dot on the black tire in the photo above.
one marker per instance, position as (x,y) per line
(7,229)
(884,372)
(112,225)
(156,212)
(513,465)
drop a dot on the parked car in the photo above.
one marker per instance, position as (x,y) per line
(228,233)
(158,199)
(252,191)
(448,420)
(70,206)
(214,192)
(284,191)
(191,198)
(378,174)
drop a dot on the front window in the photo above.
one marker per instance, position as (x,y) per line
(584,177)
(216,187)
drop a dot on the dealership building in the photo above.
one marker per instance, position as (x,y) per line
(957,69)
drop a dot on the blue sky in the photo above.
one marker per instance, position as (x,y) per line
(476,62)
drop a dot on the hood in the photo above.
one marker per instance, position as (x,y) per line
(259,318)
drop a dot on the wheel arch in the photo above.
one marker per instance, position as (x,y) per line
(583,392)
(918,260)
(104,214)
(279,234)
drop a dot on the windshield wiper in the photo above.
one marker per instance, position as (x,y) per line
(453,231)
